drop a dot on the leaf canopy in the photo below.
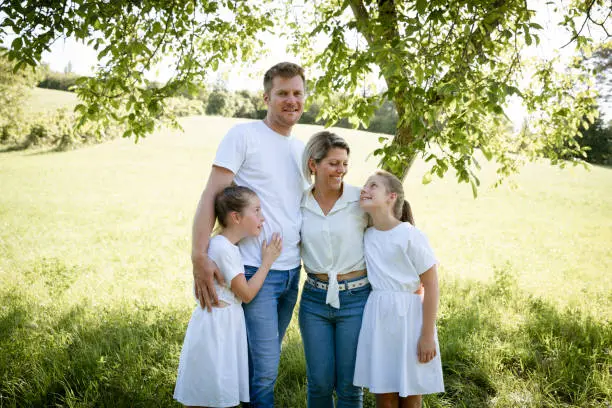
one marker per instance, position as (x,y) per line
(450,68)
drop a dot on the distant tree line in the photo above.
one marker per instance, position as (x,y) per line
(55,130)
(21,128)
(58,80)
(598,137)
(238,104)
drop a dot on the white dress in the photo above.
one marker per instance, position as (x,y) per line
(387,360)
(213,367)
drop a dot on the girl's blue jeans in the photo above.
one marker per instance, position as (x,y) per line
(330,345)
(267,317)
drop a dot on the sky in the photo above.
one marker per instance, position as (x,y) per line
(552,38)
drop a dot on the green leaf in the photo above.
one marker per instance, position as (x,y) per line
(17,44)
(421,5)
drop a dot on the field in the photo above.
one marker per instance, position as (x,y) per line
(95,277)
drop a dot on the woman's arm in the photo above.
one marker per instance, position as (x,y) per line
(427,346)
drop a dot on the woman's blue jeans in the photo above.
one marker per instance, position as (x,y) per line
(267,317)
(330,345)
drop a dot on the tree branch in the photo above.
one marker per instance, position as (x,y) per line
(586,19)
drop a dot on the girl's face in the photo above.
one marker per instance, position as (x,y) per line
(330,171)
(374,194)
(250,219)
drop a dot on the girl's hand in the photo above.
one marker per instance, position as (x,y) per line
(426,349)
(271,250)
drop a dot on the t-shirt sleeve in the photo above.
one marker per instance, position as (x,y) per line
(419,251)
(231,151)
(230,264)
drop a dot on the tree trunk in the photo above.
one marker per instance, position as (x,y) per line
(403,136)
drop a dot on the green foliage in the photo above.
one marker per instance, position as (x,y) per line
(248,105)
(60,81)
(449,67)
(181,106)
(220,103)
(598,139)
(57,130)
(600,60)
(384,120)
(130,40)
(593,144)
(14,91)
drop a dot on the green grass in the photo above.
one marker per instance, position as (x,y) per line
(95,277)
(42,99)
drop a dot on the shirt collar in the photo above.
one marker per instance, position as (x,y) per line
(350,194)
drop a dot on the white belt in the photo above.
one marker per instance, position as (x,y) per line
(359,283)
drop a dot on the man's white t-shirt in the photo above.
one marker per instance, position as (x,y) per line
(269,164)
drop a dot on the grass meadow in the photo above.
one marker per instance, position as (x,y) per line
(95,276)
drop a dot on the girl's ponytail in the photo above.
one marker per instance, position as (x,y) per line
(407,213)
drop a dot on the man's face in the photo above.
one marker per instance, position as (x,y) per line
(285,102)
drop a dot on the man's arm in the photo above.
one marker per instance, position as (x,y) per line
(204,269)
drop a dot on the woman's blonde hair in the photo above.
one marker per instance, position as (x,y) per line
(317,148)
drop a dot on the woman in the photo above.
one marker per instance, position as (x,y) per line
(336,288)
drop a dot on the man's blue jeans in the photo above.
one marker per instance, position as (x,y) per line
(267,317)
(330,345)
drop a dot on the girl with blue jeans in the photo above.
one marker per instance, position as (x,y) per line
(336,288)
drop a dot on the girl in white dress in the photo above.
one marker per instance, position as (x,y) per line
(398,357)
(213,368)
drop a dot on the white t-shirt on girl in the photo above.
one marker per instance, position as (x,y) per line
(227,257)
(396,258)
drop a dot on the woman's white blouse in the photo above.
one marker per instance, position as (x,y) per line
(333,243)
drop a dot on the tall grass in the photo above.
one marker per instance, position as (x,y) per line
(95,276)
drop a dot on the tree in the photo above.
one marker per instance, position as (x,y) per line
(598,138)
(221,102)
(601,62)
(449,67)
(14,89)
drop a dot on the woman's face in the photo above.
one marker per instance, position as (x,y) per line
(330,171)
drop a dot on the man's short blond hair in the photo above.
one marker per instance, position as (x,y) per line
(285,70)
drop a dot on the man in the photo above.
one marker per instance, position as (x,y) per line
(265,157)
